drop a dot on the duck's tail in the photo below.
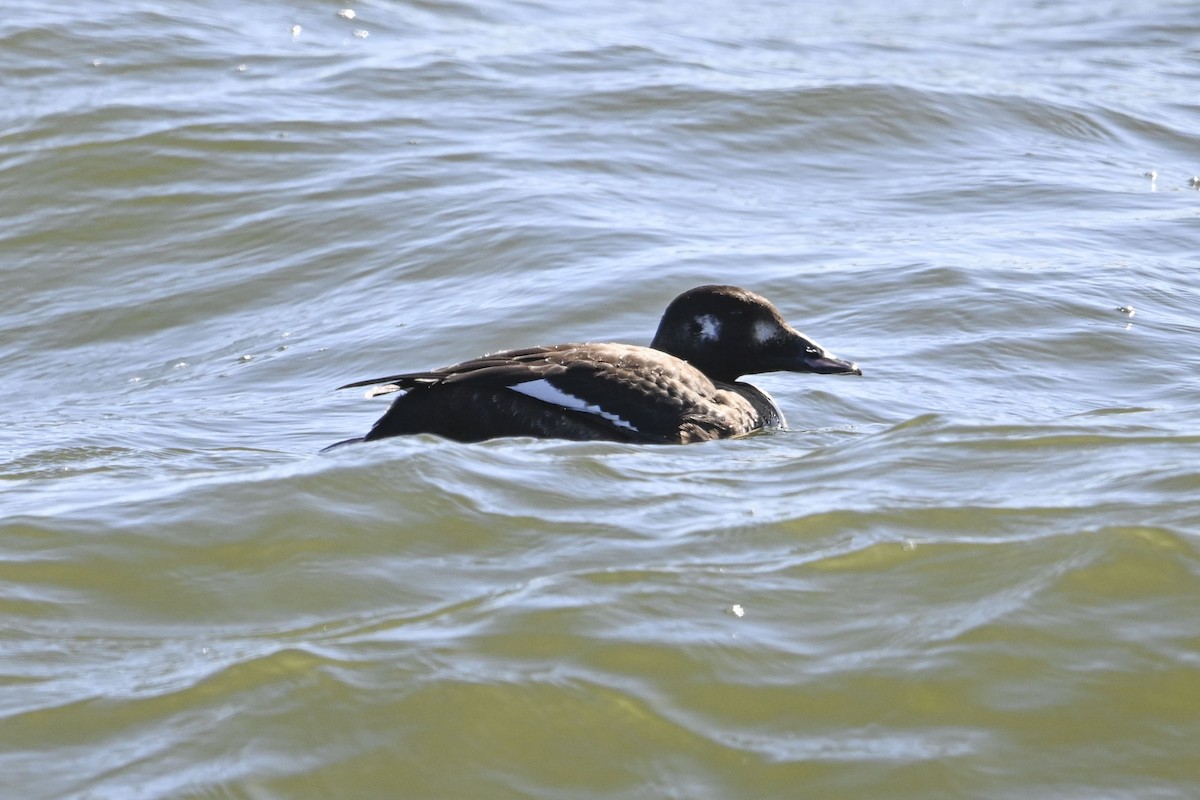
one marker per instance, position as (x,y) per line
(336,445)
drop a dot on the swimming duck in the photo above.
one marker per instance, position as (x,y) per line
(683,388)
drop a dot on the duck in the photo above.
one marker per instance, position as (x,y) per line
(683,388)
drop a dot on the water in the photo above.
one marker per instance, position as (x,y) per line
(972,572)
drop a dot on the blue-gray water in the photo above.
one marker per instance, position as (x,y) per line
(972,572)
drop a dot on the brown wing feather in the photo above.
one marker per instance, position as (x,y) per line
(505,368)
(627,381)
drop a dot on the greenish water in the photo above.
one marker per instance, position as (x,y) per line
(973,572)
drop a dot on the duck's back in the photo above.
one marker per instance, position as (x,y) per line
(576,391)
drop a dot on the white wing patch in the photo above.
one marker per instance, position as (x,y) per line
(546,392)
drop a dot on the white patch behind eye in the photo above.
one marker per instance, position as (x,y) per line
(765,331)
(710,326)
(548,393)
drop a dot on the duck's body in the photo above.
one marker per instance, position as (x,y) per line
(683,388)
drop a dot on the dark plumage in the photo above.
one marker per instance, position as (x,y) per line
(682,388)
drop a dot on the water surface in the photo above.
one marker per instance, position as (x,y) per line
(972,572)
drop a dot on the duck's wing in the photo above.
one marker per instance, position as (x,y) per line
(637,393)
(505,368)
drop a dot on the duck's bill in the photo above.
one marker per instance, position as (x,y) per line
(825,363)
(800,354)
